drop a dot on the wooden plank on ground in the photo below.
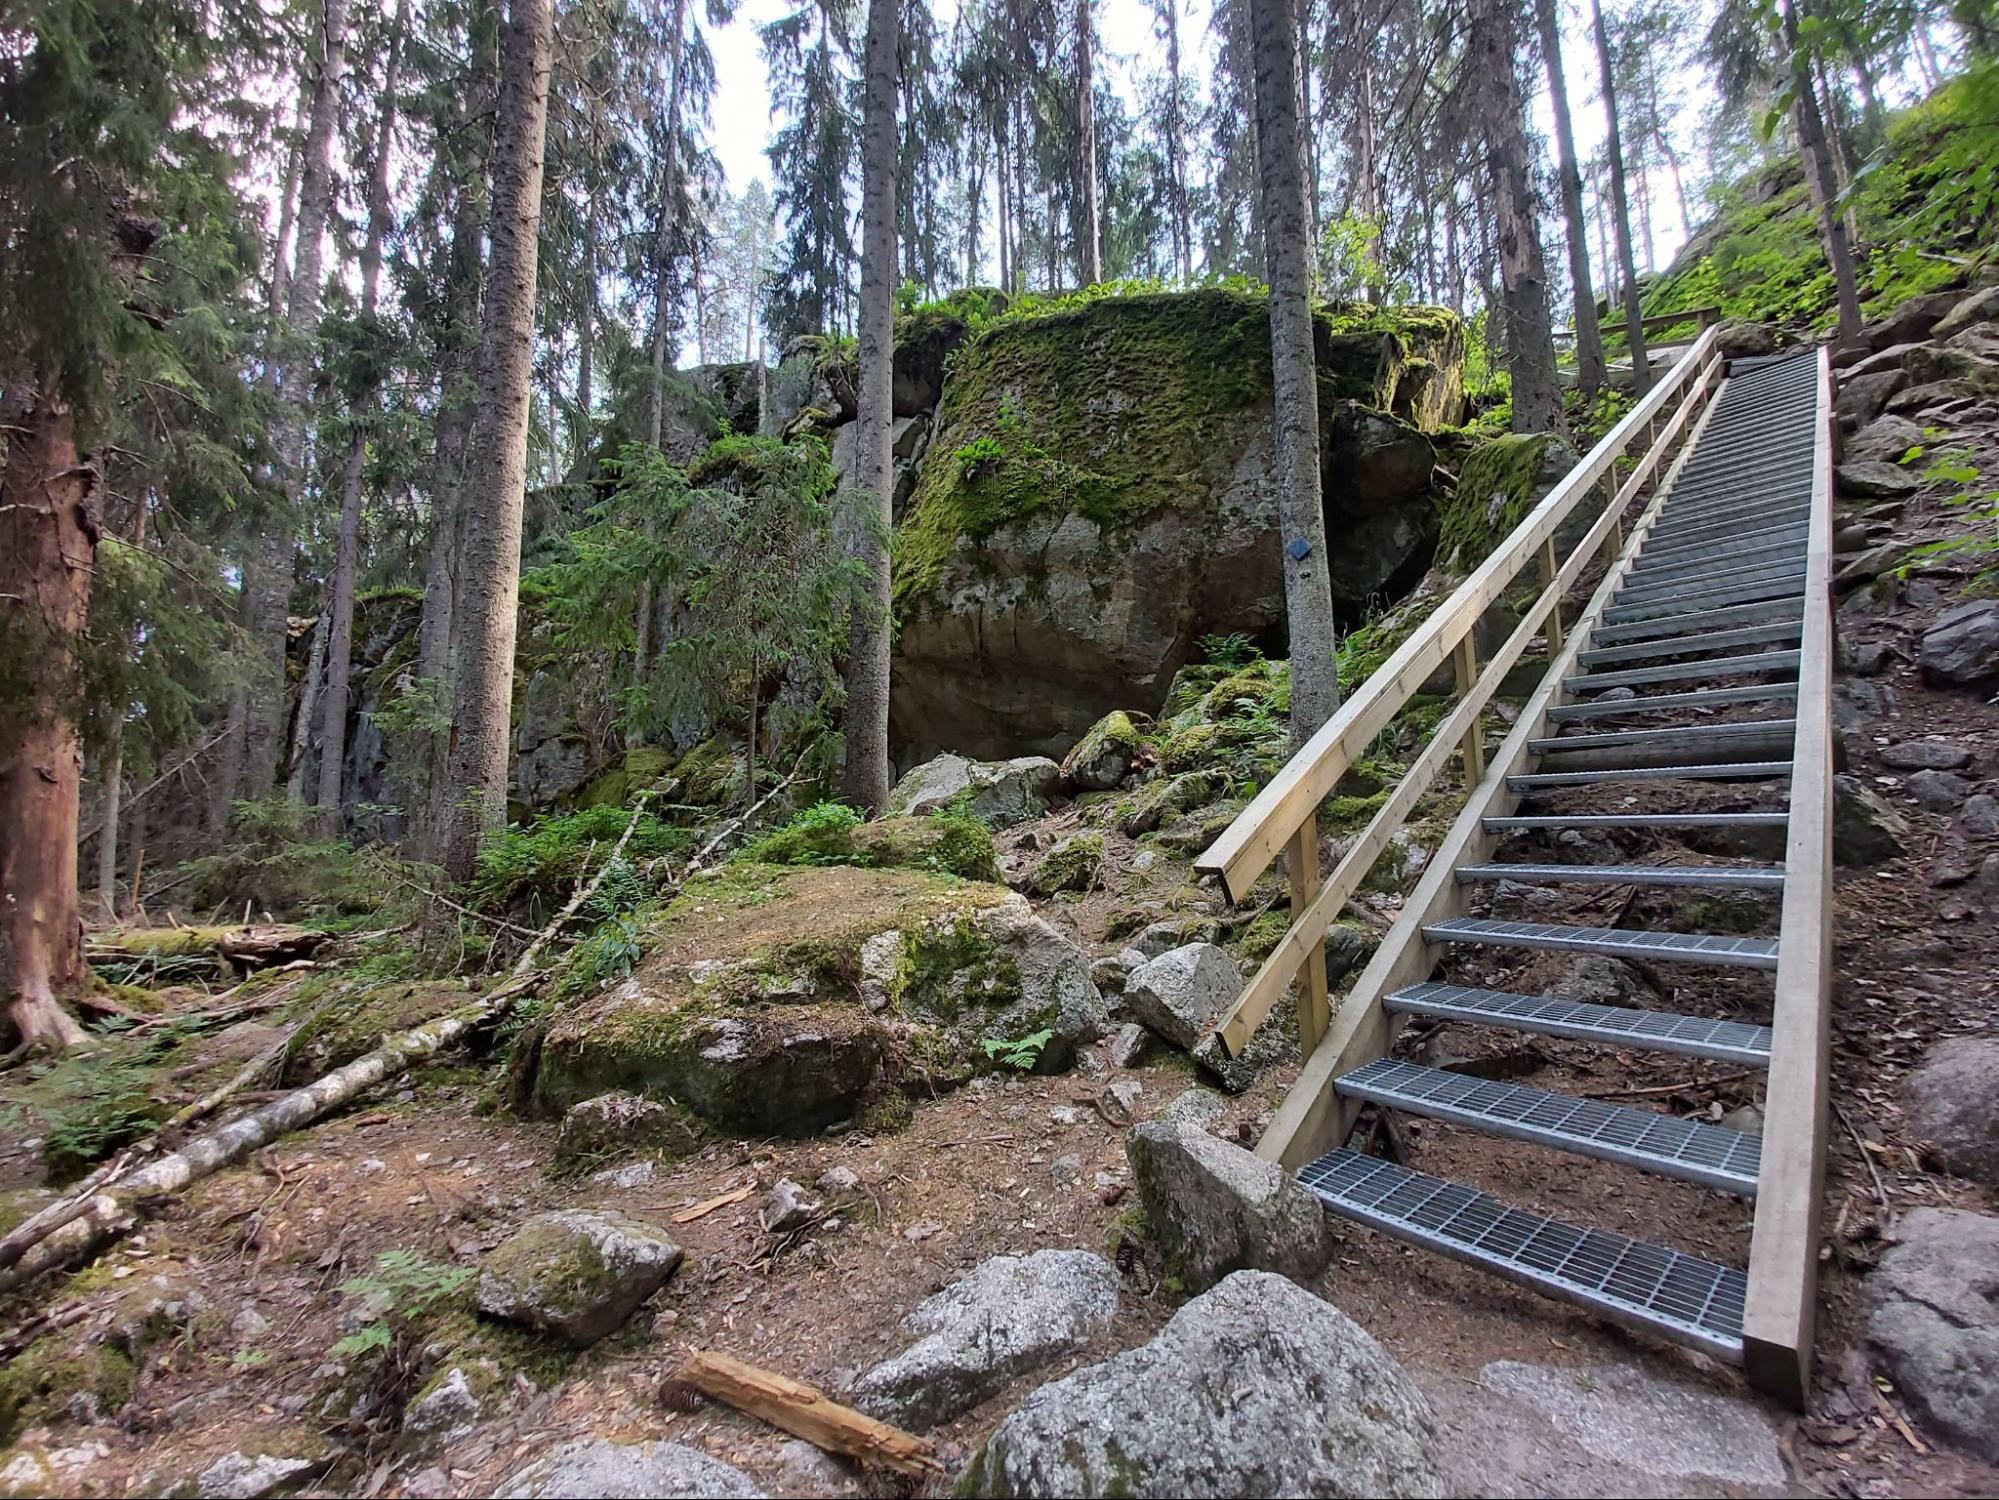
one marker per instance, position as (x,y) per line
(805,1412)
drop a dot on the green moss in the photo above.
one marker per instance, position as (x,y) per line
(643,767)
(1071,865)
(1495,491)
(332,1036)
(944,842)
(1342,815)
(40,1383)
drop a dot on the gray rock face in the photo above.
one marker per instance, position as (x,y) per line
(1011,1315)
(598,1469)
(1871,479)
(1178,994)
(1933,1318)
(1884,440)
(1862,397)
(1197,1107)
(1056,990)
(1953,1102)
(576,1274)
(1926,755)
(1961,649)
(247,1476)
(1939,791)
(620,1121)
(1865,829)
(1215,1208)
(1327,1411)
(1002,793)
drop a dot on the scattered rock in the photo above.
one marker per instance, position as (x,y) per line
(1617,695)
(619,1121)
(1104,756)
(1862,397)
(1001,793)
(1011,1315)
(1066,1168)
(1884,440)
(1926,755)
(1873,479)
(247,1476)
(1156,938)
(1178,994)
(1953,1100)
(1961,649)
(633,1174)
(1981,306)
(1933,1318)
(576,1274)
(1107,974)
(449,1407)
(1939,791)
(1216,1208)
(1129,1044)
(814,1471)
(787,1207)
(1980,815)
(837,1182)
(1328,1412)
(1865,829)
(1867,566)
(1071,865)
(1747,1118)
(1197,1107)
(1866,658)
(1122,1097)
(1598,979)
(597,1467)
(156,1309)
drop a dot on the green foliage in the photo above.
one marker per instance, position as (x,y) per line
(820,835)
(1021,1053)
(949,842)
(534,868)
(275,861)
(1231,651)
(1978,545)
(408,1287)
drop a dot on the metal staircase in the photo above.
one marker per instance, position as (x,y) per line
(1698,674)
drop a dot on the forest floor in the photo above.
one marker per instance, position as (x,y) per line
(258,1254)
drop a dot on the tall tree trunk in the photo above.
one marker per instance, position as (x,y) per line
(1589,338)
(1301,516)
(1620,209)
(866,781)
(662,300)
(496,473)
(310,693)
(269,581)
(1368,170)
(1089,229)
(113,777)
(347,557)
(1176,148)
(1819,173)
(48,549)
(1537,392)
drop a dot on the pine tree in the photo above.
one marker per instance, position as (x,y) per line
(1589,338)
(1620,207)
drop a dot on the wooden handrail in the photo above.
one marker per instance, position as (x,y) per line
(1314,1116)
(1778,1312)
(1284,814)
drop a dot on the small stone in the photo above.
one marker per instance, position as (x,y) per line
(1108,974)
(1179,994)
(636,1174)
(618,1122)
(837,1182)
(1196,1106)
(627,1471)
(1066,1169)
(1598,979)
(1939,791)
(249,1325)
(1865,829)
(1145,860)
(1063,1114)
(371,1166)
(917,1233)
(1123,1096)
(1747,1118)
(1926,755)
(576,1274)
(1216,1208)
(1980,815)
(1617,695)
(448,1408)
(1961,649)
(1128,1044)
(244,1476)
(1873,479)
(813,1471)
(787,1207)
(1867,658)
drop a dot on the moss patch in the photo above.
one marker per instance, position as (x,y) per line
(54,1374)
(333,1036)
(943,843)
(1071,865)
(1495,491)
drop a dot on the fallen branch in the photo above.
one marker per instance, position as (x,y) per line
(702,1210)
(804,1412)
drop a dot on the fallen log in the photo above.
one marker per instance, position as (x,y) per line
(804,1412)
(241,948)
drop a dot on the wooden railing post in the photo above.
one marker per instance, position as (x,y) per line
(1550,571)
(1464,666)
(1314,1008)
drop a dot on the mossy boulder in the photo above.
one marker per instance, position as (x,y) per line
(1104,757)
(778,1000)
(1098,494)
(1000,793)
(944,842)
(617,1124)
(1501,481)
(61,1376)
(1072,865)
(578,1275)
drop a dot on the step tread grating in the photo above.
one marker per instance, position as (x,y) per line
(1577,1020)
(1653,703)
(1719,666)
(1557,821)
(1743,770)
(1717,877)
(1711,1155)
(1725,949)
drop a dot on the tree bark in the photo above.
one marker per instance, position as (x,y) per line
(1089,228)
(310,691)
(1176,146)
(1589,338)
(866,780)
(268,580)
(48,548)
(496,474)
(1308,598)
(1537,391)
(1620,209)
(1819,173)
(113,778)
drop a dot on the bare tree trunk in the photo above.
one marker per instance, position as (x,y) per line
(1176,147)
(1368,170)
(1620,209)
(1589,338)
(48,548)
(1819,173)
(1089,230)
(496,476)
(112,776)
(1308,598)
(310,691)
(866,781)
(347,558)
(269,579)
(1537,392)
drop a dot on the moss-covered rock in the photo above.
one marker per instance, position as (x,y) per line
(1499,483)
(775,1000)
(1072,865)
(1104,756)
(616,1124)
(643,767)
(576,1275)
(59,1375)
(944,842)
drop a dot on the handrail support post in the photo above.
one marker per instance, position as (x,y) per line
(1550,571)
(1314,1007)
(1464,667)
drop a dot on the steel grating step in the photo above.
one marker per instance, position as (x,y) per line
(1741,770)
(1664,626)
(1683,531)
(1678,1297)
(1691,645)
(1721,949)
(1613,1025)
(1774,730)
(1789,588)
(1714,666)
(1714,877)
(1642,585)
(1786,534)
(1654,703)
(1710,1155)
(1556,822)
(1786,541)
(1721,567)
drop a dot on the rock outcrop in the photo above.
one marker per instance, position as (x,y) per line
(1953,1100)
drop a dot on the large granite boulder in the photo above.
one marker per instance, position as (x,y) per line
(1214,1208)
(599,1469)
(1933,1320)
(576,1274)
(1177,995)
(1254,1388)
(998,793)
(1098,495)
(1010,1315)
(778,1000)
